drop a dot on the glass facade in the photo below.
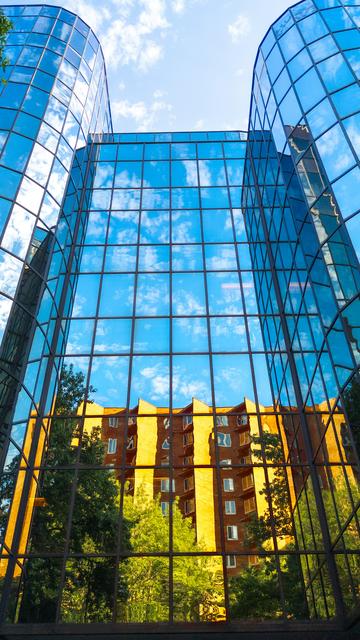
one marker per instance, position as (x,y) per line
(301,209)
(180,408)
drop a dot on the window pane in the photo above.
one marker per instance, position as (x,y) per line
(188,294)
(233,379)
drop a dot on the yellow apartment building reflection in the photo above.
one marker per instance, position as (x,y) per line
(220,489)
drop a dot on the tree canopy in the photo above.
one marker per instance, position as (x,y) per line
(81,504)
(197,585)
(5,26)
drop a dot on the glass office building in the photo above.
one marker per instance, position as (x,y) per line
(179,386)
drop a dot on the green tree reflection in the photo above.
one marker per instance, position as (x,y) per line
(87,575)
(5,26)
(94,521)
(277,516)
(351,397)
(337,504)
(255,592)
(197,591)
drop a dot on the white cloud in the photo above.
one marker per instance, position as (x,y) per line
(240,28)
(5,307)
(18,231)
(223,259)
(39,164)
(329,142)
(30,195)
(152,298)
(78,305)
(191,174)
(205,173)
(199,124)
(145,116)
(129,39)
(136,111)
(184,390)
(151,381)
(10,269)
(158,93)
(126,29)
(185,303)
(150,55)
(178,6)
(93,16)
(131,32)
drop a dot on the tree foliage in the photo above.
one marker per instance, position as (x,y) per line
(87,594)
(277,516)
(255,592)
(197,588)
(94,516)
(338,506)
(5,26)
(351,397)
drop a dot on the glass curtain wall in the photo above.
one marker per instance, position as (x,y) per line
(188,452)
(163,487)
(54,93)
(302,214)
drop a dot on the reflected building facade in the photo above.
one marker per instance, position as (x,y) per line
(180,402)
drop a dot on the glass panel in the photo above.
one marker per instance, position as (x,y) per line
(188,296)
(191,379)
(120,259)
(198,589)
(117,294)
(151,336)
(186,226)
(109,380)
(254,592)
(187,257)
(152,295)
(112,336)
(184,174)
(39,591)
(156,174)
(127,174)
(220,257)
(80,336)
(190,335)
(123,228)
(154,227)
(150,381)
(232,379)
(224,293)
(217,226)
(100,489)
(154,258)
(228,334)
(88,591)
(136,602)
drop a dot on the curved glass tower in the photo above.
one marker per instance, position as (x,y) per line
(301,206)
(55,93)
(179,363)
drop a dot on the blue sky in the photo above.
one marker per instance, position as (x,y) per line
(178,64)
